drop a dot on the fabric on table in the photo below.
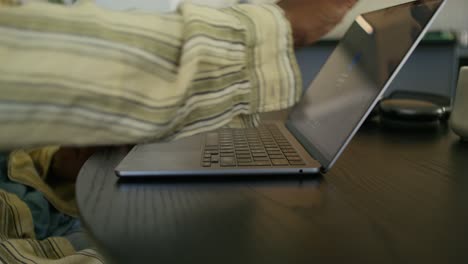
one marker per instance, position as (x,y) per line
(47,220)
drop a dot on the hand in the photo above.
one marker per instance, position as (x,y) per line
(312,19)
(68,161)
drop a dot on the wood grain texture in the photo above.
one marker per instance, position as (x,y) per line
(393,197)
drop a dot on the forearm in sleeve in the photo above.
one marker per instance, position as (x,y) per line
(82,75)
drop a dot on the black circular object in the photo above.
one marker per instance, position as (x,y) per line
(411,110)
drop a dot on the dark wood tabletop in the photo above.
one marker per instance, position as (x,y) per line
(393,197)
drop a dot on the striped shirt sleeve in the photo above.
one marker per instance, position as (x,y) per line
(83,75)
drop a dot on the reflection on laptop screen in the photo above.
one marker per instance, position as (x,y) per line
(355,74)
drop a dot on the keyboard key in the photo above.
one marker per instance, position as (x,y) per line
(243,150)
(297,162)
(261,163)
(214,159)
(276,156)
(279,162)
(227,161)
(294,158)
(272,148)
(226,149)
(274,152)
(258,151)
(206,164)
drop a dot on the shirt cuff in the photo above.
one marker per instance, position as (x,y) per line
(271,63)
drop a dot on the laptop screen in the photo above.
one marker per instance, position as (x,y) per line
(356,74)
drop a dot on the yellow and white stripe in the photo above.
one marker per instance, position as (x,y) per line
(83,75)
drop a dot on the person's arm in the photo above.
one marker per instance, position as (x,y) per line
(82,75)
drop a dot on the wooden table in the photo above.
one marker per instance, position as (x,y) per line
(393,197)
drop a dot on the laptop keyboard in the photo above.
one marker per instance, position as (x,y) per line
(262,146)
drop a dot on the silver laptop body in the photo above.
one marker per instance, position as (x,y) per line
(337,102)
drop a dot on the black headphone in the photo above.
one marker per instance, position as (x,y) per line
(402,109)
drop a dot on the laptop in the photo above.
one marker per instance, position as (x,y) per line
(320,126)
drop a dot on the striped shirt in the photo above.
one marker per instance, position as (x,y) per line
(83,75)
